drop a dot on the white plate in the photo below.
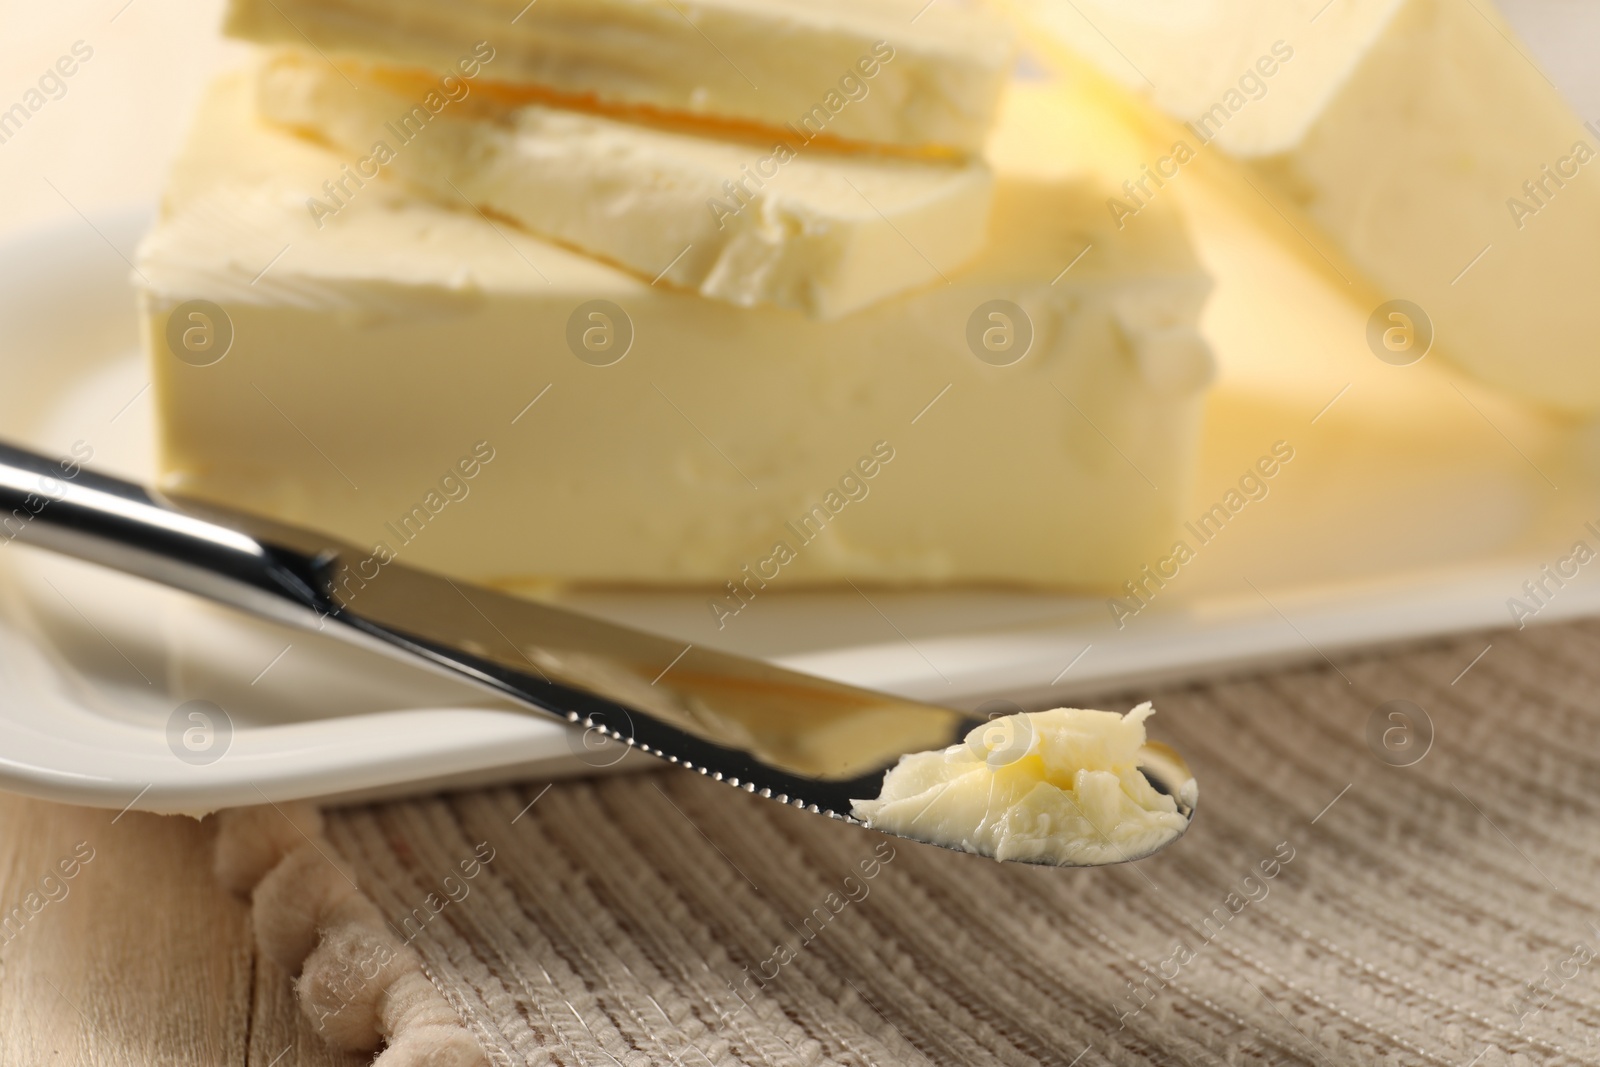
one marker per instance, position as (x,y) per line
(97,667)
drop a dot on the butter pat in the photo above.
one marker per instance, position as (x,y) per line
(1059,787)
(1417,134)
(883,71)
(741,220)
(621,432)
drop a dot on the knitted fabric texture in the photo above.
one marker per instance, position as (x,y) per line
(1328,906)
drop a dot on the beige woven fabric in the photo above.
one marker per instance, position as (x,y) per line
(1440,913)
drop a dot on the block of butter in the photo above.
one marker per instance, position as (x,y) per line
(1418,134)
(455,392)
(735,219)
(893,72)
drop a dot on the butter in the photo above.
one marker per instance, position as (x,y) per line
(1417,134)
(1058,787)
(744,450)
(893,72)
(746,221)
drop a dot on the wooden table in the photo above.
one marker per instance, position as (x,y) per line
(140,958)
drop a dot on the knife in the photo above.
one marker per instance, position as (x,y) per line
(795,738)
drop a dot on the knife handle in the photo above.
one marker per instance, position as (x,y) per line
(59,505)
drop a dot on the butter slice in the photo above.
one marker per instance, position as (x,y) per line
(1060,787)
(372,358)
(745,221)
(1407,130)
(894,72)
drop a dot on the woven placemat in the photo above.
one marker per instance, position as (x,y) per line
(1330,906)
